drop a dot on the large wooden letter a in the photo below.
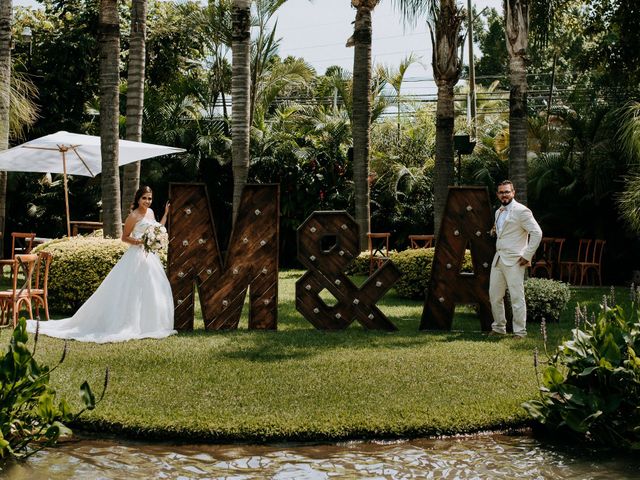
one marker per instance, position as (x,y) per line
(251,261)
(466,223)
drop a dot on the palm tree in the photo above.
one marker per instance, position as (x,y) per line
(445,20)
(241,96)
(395,79)
(5,95)
(265,45)
(274,81)
(444,27)
(629,138)
(109,42)
(217,32)
(135,96)
(361,42)
(516,17)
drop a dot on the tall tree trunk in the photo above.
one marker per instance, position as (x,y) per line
(240,93)
(109,41)
(135,97)
(361,117)
(443,169)
(444,28)
(5,95)
(517,33)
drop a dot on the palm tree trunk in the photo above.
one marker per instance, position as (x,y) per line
(444,28)
(517,33)
(240,93)
(135,97)
(5,95)
(443,169)
(361,119)
(109,42)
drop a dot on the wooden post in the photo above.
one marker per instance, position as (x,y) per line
(66,188)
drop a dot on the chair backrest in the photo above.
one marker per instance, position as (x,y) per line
(559,243)
(379,243)
(598,249)
(584,248)
(25,264)
(421,241)
(21,243)
(543,253)
(42,271)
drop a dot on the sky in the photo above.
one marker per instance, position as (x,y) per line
(318,30)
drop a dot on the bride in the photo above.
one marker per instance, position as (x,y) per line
(134,300)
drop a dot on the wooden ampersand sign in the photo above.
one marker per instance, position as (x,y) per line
(251,261)
(466,223)
(327,244)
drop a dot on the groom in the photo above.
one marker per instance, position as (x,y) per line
(517,238)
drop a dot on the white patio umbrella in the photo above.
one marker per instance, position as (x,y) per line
(73,154)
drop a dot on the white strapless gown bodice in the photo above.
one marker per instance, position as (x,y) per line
(133,301)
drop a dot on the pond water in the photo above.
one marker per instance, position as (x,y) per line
(478,457)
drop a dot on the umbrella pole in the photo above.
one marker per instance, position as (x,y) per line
(66,189)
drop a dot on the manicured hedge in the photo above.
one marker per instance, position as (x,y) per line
(415,266)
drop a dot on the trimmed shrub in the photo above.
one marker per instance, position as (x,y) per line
(360,265)
(79,266)
(545,298)
(415,266)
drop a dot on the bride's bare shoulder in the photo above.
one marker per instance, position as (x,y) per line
(133,218)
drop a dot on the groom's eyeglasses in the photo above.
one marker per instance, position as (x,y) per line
(504,193)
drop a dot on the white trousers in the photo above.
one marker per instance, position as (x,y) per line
(511,277)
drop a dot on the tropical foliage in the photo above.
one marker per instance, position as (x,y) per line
(590,386)
(31,417)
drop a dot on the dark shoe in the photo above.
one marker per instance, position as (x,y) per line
(493,333)
(518,337)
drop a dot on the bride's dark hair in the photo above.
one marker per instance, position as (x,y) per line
(141,191)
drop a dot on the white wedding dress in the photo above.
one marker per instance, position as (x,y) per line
(133,301)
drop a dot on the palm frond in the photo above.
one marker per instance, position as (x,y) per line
(629,132)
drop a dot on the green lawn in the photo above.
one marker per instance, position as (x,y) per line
(303,384)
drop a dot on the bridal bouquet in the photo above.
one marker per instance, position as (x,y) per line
(155,238)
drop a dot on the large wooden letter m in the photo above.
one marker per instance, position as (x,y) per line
(251,260)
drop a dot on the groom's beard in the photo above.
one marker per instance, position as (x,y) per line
(506,202)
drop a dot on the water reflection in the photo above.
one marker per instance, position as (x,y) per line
(478,457)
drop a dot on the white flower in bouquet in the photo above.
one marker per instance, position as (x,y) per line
(155,238)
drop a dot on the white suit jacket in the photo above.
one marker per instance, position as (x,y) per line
(519,237)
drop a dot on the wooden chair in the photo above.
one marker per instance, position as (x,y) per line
(40,288)
(569,269)
(593,263)
(378,249)
(421,241)
(547,258)
(11,300)
(21,243)
(77,225)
